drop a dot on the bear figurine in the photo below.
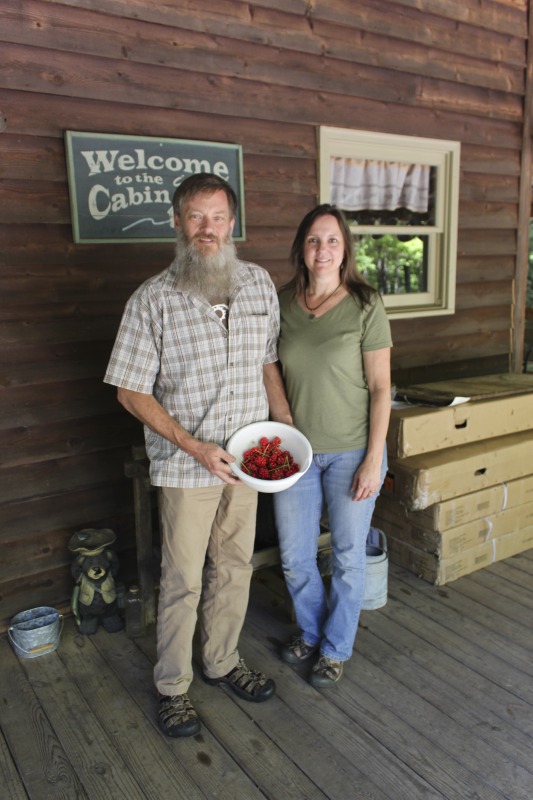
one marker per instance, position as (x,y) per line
(94,599)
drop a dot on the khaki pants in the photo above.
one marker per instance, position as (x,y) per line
(213,528)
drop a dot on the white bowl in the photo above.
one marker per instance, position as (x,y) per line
(291,440)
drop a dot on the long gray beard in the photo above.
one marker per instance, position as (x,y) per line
(211,277)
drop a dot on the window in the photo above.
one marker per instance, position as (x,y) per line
(400,195)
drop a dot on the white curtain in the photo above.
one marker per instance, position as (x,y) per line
(358,184)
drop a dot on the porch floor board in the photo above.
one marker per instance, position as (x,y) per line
(435,704)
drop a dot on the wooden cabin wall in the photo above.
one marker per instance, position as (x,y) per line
(261,74)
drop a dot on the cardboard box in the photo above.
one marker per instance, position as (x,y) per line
(465,508)
(442,571)
(423,480)
(422,429)
(455,541)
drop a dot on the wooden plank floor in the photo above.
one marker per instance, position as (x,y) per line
(437,702)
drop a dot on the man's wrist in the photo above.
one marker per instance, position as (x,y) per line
(187,442)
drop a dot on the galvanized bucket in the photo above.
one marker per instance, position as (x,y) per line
(377,570)
(36,631)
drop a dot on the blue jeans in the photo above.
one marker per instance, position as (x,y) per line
(298,511)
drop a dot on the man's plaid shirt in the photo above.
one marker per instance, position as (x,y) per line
(209,378)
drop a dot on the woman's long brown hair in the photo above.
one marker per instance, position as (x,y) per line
(351,278)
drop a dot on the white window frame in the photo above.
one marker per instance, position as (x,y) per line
(444,156)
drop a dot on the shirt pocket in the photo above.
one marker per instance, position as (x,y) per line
(253,338)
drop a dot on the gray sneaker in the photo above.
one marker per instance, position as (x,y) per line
(177,716)
(325,673)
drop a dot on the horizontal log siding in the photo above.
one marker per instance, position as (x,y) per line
(264,75)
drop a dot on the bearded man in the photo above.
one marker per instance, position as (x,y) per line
(194,361)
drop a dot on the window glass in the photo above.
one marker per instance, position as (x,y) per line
(393,264)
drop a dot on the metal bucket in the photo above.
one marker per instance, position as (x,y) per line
(377,570)
(36,631)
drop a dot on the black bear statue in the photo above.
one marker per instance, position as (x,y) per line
(94,598)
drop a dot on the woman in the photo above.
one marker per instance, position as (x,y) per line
(334,351)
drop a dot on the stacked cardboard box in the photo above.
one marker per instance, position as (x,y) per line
(459,491)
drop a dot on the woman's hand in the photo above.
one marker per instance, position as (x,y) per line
(366,481)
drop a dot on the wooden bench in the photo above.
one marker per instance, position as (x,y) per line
(146,514)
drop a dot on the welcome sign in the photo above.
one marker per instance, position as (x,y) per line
(121,187)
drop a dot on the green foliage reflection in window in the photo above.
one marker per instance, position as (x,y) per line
(393,264)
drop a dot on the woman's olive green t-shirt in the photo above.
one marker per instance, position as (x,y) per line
(322,362)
